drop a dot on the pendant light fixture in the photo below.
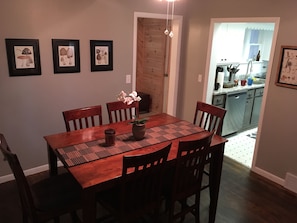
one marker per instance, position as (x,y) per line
(168,31)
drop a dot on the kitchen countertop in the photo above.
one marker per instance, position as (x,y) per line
(238,88)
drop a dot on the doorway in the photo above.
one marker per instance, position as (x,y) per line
(170,95)
(213,59)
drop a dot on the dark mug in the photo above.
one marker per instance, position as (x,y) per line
(109,137)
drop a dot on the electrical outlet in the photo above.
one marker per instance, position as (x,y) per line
(199,77)
(128,79)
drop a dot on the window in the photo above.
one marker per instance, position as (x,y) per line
(252,44)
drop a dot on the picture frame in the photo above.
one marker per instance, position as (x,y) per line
(23,57)
(66,56)
(287,72)
(101,55)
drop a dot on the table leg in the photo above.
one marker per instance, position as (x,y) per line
(52,161)
(216,164)
(89,207)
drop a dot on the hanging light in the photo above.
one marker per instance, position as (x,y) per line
(167,32)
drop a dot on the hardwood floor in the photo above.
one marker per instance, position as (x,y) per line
(244,198)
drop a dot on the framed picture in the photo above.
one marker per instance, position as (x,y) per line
(23,57)
(287,73)
(101,55)
(66,56)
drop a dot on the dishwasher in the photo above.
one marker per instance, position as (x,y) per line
(235,106)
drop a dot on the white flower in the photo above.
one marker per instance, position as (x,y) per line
(128,99)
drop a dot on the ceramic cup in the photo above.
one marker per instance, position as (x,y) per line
(243,82)
(109,137)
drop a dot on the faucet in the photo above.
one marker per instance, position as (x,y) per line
(249,66)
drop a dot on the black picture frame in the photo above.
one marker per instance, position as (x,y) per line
(66,56)
(101,55)
(287,72)
(23,57)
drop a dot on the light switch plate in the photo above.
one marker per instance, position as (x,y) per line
(128,79)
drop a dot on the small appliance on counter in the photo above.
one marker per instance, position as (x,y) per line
(219,80)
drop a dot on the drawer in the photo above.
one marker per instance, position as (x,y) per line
(250,93)
(259,92)
(218,100)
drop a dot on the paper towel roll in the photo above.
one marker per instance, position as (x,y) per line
(220,79)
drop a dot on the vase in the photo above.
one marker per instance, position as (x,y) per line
(138,131)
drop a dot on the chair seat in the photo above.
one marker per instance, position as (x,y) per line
(55,193)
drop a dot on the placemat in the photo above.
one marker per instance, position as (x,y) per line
(93,150)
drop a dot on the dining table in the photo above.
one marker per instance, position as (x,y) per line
(97,167)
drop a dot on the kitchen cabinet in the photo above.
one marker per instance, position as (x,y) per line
(252,108)
(257,106)
(248,109)
(219,100)
(231,42)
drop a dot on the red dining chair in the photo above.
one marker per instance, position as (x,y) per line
(119,111)
(210,118)
(187,180)
(80,118)
(140,190)
(47,199)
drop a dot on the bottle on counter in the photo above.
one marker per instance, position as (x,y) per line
(250,81)
(258,56)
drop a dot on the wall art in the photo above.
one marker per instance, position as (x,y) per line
(66,56)
(101,55)
(23,57)
(287,73)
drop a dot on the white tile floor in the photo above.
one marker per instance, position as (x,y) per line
(240,147)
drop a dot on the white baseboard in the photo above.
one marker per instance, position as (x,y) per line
(268,175)
(291,182)
(28,172)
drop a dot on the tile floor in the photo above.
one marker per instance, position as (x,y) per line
(240,147)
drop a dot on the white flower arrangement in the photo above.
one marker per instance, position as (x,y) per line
(128,99)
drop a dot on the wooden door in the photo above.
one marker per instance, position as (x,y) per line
(151,56)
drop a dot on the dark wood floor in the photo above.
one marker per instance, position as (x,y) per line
(244,198)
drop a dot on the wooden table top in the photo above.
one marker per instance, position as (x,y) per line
(103,173)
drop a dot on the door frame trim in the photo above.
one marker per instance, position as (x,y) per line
(174,57)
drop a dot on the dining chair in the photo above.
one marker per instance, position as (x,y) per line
(119,111)
(210,118)
(139,193)
(187,179)
(47,199)
(82,117)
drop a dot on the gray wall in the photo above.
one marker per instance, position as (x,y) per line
(31,106)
